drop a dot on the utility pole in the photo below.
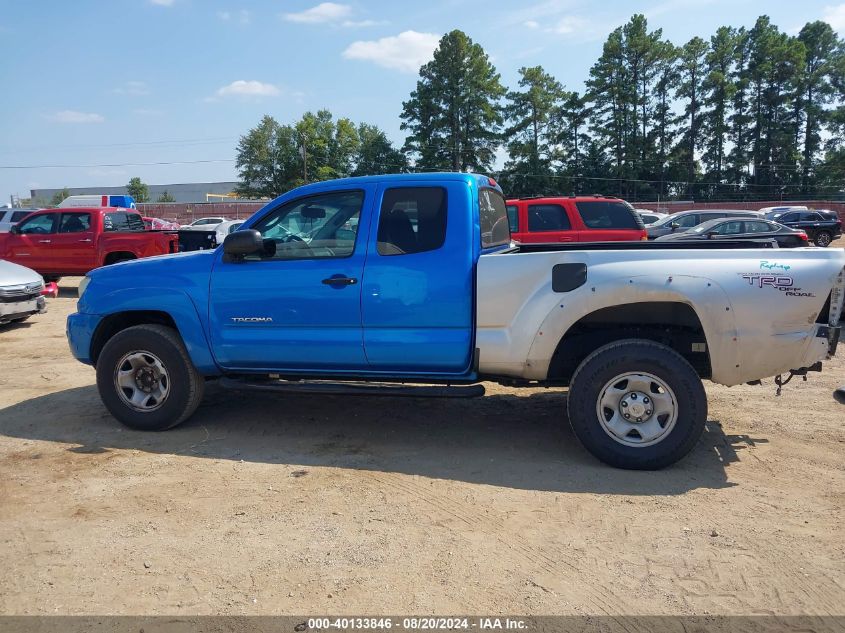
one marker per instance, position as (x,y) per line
(304,153)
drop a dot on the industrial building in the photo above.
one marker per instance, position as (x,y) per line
(180,192)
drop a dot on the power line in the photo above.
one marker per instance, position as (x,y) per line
(175,162)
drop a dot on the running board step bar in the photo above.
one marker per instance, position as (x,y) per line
(354,388)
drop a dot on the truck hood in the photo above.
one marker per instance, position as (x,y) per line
(14,274)
(160,266)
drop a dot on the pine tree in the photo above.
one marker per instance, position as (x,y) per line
(454,115)
(530,113)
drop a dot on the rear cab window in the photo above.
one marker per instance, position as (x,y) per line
(608,214)
(493,218)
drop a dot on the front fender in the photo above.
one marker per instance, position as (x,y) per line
(705,296)
(177,303)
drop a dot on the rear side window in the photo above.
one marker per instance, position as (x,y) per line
(17,216)
(122,221)
(812,217)
(606,214)
(412,220)
(493,217)
(75,223)
(513,218)
(547,217)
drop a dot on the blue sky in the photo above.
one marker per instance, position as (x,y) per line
(90,86)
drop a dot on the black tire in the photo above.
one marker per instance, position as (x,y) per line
(823,239)
(637,355)
(21,319)
(186,385)
(51,278)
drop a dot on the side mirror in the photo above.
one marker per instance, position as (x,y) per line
(240,243)
(14,230)
(675,225)
(712,234)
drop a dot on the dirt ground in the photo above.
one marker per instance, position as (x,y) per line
(311,504)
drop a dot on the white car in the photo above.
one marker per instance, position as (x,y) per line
(650,217)
(204,224)
(10,217)
(20,293)
(224,228)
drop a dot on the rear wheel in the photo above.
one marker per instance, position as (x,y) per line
(637,404)
(146,379)
(823,239)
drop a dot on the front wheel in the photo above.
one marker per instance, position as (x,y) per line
(146,379)
(823,239)
(637,404)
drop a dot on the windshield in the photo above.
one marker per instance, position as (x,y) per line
(667,220)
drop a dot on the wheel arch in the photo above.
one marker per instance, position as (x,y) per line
(672,323)
(118,256)
(173,308)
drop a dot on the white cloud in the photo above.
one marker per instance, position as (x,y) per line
(405,52)
(354,24)
(163,3)
(835,16)
(243,16)
(323,12)
(134,88)
(568,24)
(245,88)
(531,24)
(72,116)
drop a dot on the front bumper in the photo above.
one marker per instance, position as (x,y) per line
(11,310)
(80,330)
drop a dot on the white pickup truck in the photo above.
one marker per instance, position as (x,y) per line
(370,285)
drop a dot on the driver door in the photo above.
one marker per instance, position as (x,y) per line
(30,244)
(297,306)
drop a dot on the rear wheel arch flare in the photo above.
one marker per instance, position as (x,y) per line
(672,323)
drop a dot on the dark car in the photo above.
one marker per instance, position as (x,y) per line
(742,229)
(685,220)
(821,226)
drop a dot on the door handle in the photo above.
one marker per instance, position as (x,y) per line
(87,241)
(340,280)
(45,241)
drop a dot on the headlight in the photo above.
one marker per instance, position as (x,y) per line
(83,285)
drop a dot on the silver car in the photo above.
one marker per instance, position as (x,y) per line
(20,293)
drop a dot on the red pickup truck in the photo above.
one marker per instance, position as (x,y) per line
(573,219)
(57,242)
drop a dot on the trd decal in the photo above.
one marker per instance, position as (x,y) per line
(782,283)
(775,281)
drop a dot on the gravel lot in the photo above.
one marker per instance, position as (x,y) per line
(309,504)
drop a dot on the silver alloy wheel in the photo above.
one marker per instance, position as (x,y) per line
(637,409)
(823,239)
(141,381)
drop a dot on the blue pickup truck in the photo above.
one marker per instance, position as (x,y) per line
(409,285)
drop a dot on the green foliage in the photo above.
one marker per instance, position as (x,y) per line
(273,158)
(166,197)
(376,154)
(138,190)
(532,136)
(57,198)
(454,115)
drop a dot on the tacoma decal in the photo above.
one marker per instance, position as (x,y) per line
(252,319)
